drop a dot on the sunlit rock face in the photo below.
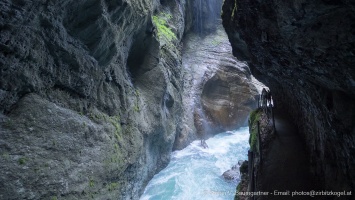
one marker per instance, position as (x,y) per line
(90,98)
(228,97)
(304,51)
(217,92)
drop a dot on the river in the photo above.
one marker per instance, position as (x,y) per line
(196,173)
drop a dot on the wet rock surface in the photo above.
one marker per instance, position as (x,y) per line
(304,52)
(92,94)
(89,97)
(234,173)
(50,150)
(228,97)
(285,165)
(208,67)
(244,181)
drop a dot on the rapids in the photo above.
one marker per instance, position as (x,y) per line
(196,173)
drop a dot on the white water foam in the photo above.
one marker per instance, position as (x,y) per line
(195,172)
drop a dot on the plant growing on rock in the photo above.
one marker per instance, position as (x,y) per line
(253,119)
(22,161)
(113,186)
(91,183)
(163,31)
(234,9)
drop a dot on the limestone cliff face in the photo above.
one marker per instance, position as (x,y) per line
(228,97)
(90,96)
(218,92)
(304,51)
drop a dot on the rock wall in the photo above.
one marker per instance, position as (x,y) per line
(304,51)
(228,97)
(90,96)
(92,93)
(218,92)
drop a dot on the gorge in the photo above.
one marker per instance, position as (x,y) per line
(95,95)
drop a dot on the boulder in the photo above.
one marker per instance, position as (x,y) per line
(232,174)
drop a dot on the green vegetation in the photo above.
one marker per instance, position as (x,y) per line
(164,33)
(254,116)
(117,138)
(116,158)
(136,106)
(234,8)
(216,42)
(112,186)
(22,161)
(6,156)
(253,139)
(54,198)
(115,121)
(236,197)
(94,116)
(91,183)
(253,119)
(239,187)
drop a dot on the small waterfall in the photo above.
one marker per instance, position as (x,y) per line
(201,122)
(198,20)
(206,15)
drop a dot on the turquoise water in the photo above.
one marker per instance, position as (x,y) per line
(196,173)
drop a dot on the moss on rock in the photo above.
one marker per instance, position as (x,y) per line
(253,128)
(164,32)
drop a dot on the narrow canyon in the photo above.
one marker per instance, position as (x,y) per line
(97,97)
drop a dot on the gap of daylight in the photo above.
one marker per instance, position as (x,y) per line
(196,173)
